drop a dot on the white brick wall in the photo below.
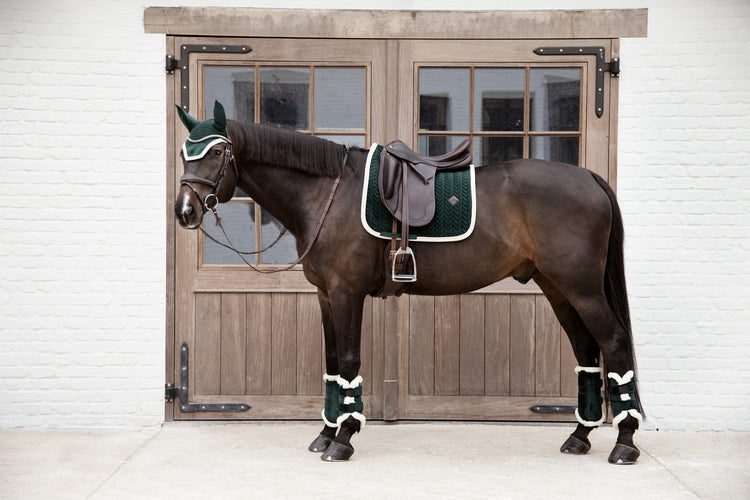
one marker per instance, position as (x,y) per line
(82,229)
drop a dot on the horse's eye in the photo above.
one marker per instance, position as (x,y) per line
(217,152)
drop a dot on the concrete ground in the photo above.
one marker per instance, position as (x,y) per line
(404,460)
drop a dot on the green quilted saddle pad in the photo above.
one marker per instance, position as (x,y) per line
(455,205)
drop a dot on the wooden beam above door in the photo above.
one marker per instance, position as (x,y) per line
(390,24)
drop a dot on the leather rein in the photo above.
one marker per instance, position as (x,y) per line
(211,200)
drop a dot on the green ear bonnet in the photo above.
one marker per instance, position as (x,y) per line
(205,134)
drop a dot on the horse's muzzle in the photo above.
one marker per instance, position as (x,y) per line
(187,215)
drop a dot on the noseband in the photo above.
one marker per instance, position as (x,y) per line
(210,201)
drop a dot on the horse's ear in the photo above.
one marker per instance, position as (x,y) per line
(220,118)
(188,120)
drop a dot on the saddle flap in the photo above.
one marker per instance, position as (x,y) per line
(420,192)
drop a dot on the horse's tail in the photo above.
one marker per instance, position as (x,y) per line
(614,276)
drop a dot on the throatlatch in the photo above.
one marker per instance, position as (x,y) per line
(624,402)
(343,400)
(589,411)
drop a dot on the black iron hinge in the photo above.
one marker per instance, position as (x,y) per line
(171,392)
(602,66)
(183,63)
(553,409)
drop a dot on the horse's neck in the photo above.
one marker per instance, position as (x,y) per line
(287,194)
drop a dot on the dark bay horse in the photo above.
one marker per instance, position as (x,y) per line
(556,224)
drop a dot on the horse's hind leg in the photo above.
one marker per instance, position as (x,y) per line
(586,351)
(616,346)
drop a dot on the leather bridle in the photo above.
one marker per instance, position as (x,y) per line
(210,201)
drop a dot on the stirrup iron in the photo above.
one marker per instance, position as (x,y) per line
(403,278)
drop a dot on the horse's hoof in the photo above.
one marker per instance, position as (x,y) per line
(337,452)
(576,446)
(320,444)
(624,455)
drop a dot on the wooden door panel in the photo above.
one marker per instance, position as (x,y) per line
(233,347)
(283,343)
(266,350)
(500,353)
(447,345)
(310,361)
(497,344)
(547,346)
(522,345)
(258,369)
(471,345)
(207,351)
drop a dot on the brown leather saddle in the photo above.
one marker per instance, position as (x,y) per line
(407,188)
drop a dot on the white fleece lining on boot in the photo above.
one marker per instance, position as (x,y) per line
(348,400)
(623,415)
(589,423)
(326,421)
(588,369)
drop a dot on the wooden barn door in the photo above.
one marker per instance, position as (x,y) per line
(256,339)
(252,338)
(493,354)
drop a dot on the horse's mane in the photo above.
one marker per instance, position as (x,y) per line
(285,148)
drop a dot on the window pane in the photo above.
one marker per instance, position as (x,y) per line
(238,219)
(346,140)
(562,149)
(499,99)
(233,87)
(285,250)
(555,96)
(444,98)
(339,98)
(285,97)
(493,150)
(433,145)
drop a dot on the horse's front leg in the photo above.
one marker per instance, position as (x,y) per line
(330,378)
(346,308)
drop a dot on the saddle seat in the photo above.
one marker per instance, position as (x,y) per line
(406,182)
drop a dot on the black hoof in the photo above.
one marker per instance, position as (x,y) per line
(337,452)
(624,455)
(320,444)
(576,446)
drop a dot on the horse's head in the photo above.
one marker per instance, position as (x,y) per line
(206,155)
